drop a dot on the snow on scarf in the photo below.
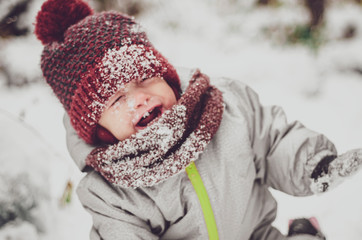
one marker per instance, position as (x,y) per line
(168,145)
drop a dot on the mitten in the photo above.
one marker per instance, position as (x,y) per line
(331,170)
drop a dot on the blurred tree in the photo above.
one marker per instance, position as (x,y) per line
(266,2)
(9,23)
(130,7)
(310,34)
(316,9)
(16,38)
(349,31)
(17,199)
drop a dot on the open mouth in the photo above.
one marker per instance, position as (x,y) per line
(149,116)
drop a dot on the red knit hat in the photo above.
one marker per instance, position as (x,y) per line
(88,57)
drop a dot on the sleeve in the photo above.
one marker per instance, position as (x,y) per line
(77,147)
(285,153)
(103,202)
(111,221)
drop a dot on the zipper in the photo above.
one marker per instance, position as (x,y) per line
(204,200)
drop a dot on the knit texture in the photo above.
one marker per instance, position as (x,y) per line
(93,58)
(167,145)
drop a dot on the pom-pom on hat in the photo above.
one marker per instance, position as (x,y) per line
(88,57)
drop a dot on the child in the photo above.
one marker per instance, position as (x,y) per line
(170,156)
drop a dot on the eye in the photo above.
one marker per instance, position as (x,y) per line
(146,80)
(117,99)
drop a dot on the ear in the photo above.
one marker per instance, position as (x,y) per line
(105,136)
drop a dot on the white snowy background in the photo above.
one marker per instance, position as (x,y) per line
(322,89)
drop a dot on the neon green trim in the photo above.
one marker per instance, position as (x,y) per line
(201,193)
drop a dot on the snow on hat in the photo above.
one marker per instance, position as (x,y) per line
(88,57)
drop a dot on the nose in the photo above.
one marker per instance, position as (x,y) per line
(141,98)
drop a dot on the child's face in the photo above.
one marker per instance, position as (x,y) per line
(133,108)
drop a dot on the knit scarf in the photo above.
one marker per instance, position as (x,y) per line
(167,145)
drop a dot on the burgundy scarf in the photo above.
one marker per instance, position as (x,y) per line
(168,145)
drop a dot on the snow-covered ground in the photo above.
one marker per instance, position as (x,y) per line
(322,90)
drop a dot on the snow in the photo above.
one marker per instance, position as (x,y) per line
(321,89)
(17,55)
(122,63)
(33,176)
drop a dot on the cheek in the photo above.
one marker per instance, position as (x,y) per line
(117,114)
(121,127)
(131,104)
(170,98)
(118,119)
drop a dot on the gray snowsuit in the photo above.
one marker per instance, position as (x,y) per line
(254,149)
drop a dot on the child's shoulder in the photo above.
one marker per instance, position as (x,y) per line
(239,98)
(224,84)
